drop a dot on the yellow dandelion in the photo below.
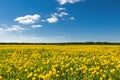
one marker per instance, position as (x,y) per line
(30,75)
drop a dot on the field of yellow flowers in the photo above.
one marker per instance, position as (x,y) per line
(57,62)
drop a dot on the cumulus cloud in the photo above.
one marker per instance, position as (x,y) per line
(56,16)
(36,26)
(72,18)
(15,28)
(28,19)
(62,2)
(53,19)
(60,9)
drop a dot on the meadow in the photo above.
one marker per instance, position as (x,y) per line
(59,62)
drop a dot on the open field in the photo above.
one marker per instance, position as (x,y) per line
(55,62)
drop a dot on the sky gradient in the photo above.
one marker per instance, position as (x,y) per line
(59,20)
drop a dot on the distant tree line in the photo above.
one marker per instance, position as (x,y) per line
(65,43)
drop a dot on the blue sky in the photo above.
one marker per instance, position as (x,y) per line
(59,20)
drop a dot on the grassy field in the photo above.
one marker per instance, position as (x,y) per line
(55,62)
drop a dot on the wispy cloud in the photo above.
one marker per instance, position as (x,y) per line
(29,38)
(43,20)
(13,28)
(28,19)
(72,18)
(62,2)
(1,29)
(36,26)
(61,14)
(3,25)
(60,9)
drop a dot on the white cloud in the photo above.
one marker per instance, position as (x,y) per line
(53,19)
(60,9)
(1,29)
(56,16)
(36,26)
(16,28)
(62,2)
(72,18)
(28,19)
(61,14)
